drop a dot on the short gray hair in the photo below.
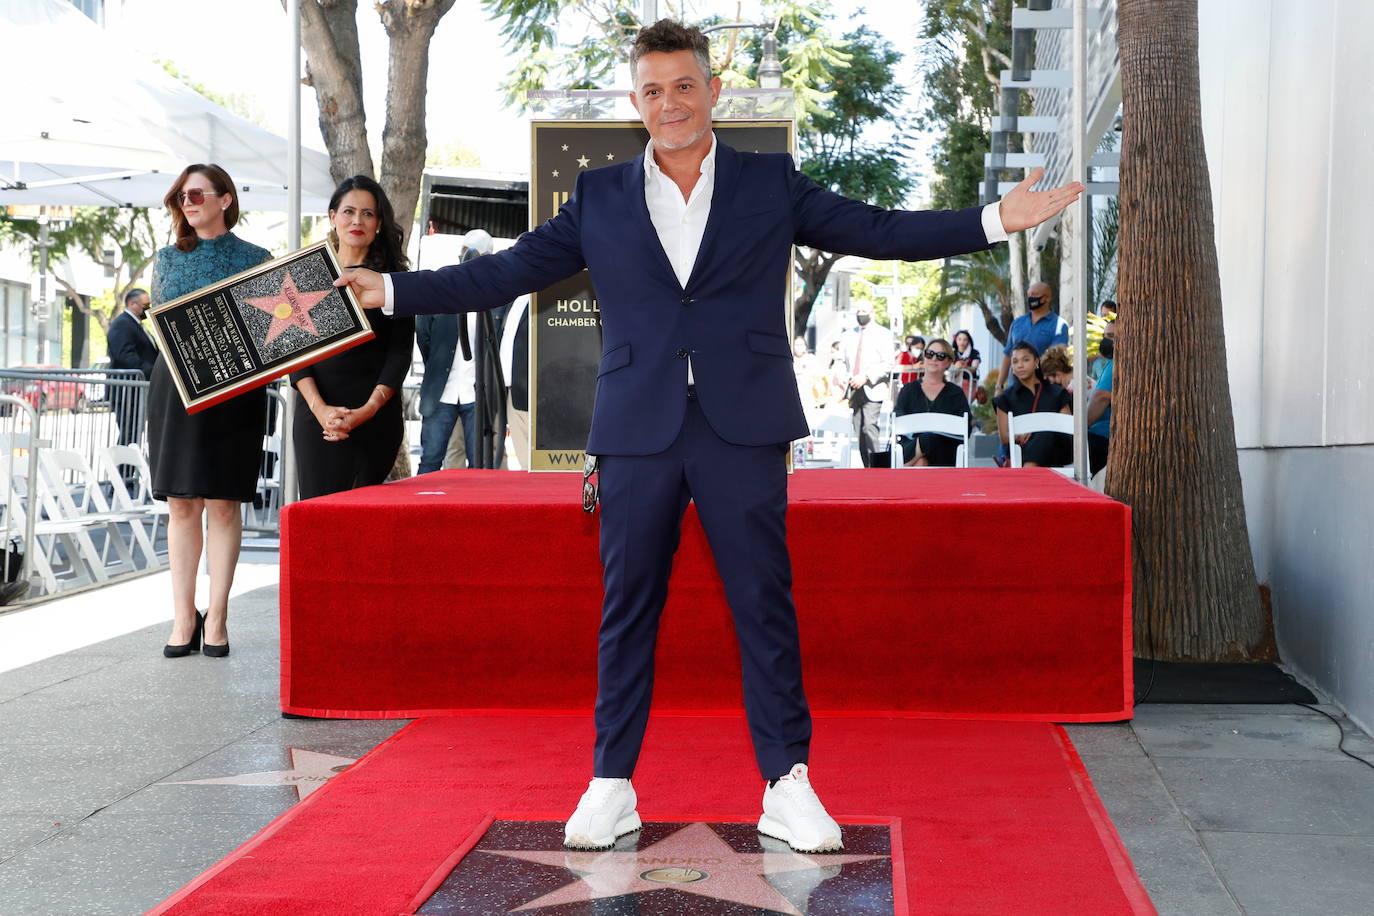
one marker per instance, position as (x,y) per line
(667,36)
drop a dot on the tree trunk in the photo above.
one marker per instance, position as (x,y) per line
(1173,456)
(410,26)
(329,35)
(813,266)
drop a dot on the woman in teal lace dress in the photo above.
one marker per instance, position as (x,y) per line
(206,463)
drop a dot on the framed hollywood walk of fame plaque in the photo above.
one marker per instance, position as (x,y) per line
(256,326)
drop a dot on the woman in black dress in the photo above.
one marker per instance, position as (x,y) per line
(1031,392)
(932,394)
(206,463)
(350,433)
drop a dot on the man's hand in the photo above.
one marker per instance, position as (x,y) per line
(857,381)
(367,286)
(1023,208)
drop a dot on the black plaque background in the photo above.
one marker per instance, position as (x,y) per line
(564,357)
(225,337)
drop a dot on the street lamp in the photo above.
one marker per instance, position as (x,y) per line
(770,70)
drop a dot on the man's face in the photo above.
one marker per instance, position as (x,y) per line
(674,98)
(139,305)
(1041,292)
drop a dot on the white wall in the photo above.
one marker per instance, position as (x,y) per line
(1286,113)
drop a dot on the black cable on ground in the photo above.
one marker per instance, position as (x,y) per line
(1340,745)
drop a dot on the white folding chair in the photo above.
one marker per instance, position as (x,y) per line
(841,427)
(942,423)
(1028,423)
(71,492)
(110,467)
(62,553)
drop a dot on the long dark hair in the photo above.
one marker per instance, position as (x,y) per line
(223,184)
(386,253)
(1030,348)
(967,336)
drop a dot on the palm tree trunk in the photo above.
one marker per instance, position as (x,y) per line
(1173,453)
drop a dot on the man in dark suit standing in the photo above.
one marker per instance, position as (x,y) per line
(689,247)
(130,347)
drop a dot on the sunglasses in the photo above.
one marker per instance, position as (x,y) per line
(195,196)
(936,354)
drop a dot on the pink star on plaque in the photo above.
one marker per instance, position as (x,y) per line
(694,860)
(289,309)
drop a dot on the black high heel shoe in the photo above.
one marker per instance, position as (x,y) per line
(210,650)
(186,648)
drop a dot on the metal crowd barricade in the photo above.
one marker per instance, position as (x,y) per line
(83,410)
(19,441)
(263,515)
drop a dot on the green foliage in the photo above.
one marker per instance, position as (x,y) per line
(982,279)
(122,240)
(1106,226)
(456,153)
(920,314)
(966,45)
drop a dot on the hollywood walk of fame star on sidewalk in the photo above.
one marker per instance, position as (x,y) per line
(289,308)
(310,770)
(694,860)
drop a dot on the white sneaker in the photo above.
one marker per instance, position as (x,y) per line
(792,813)
(605,811)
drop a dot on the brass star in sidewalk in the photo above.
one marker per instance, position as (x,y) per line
(694,860)
(309,771)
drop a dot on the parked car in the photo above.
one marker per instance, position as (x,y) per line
(49,393)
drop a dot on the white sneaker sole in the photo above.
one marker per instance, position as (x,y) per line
(771,826)
(627,824)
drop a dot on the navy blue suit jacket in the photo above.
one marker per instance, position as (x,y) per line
(437,336)
(129,346)
(731,317)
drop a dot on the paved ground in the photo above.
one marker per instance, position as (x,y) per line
(1225,809)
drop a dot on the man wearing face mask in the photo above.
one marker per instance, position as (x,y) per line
(868,359)
(1100,406)
(1039,327)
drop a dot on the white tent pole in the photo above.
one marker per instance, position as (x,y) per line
(293,129)
(293,226)
(1079,228)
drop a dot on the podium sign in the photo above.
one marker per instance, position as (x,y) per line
(565,322)
(255,326)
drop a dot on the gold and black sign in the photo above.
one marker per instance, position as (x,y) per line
(565,319)
(255,326)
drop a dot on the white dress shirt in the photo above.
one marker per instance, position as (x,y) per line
(680,224)
(461,387)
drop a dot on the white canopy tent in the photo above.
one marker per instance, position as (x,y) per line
(87,124)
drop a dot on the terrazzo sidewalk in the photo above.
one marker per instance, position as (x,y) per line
(123,775)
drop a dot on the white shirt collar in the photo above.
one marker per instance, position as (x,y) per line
(651,168)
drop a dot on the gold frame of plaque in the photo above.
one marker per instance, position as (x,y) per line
(229,336)
(571,375)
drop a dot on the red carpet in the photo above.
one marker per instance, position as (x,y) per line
(989,817)
(970,593)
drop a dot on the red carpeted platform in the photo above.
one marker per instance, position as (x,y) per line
(969,593)
(985,817)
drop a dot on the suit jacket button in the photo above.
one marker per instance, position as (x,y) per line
(686,300)
(681,354)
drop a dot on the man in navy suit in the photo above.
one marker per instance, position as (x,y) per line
(689,247)
(130,347)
